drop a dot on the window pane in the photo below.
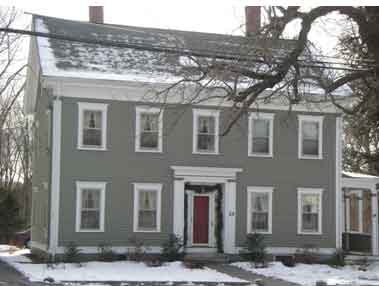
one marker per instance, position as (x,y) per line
(310,203)
(149,122)
(260,202)
(310,222)
(90,219)
(149,140)
(310,130)
(310,147)
(260,145)
(260,222)
(92,137)
(92,119)
(147,214)
(90,199)
(261,128)
(206,125)
(205,142)
(147,220)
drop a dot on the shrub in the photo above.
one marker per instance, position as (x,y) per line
(137,252)
(172,249)
(338,258)
(256,249)
(105,253)
(10,220)
(307,255)
(71,253)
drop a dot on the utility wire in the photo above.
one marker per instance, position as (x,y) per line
(225,55)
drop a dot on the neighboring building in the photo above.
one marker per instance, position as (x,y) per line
(111,163)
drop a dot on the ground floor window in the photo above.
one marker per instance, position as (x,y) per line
(309,211)
(147,207)
(259,206)
(90,206)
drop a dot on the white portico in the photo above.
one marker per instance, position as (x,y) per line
(207,175)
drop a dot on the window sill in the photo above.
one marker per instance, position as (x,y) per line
(261,155)
(92,148)
(148,151)
(205,153)
(310,157)
(90,230)
(260,232)
(147,231)
(309,233)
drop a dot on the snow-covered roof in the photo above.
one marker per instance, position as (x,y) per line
(85,60)
(353,175)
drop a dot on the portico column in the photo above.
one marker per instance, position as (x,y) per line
(230,217)
(178,207)
(374,220)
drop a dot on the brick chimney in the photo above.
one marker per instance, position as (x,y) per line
(96,14)
(253,19)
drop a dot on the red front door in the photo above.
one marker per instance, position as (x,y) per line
(200,219)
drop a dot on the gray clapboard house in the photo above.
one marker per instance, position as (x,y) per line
(112,163)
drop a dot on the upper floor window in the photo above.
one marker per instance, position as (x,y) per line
(148,129)
(205,131)
(261,134)
(92,127)
(147,207)
(90,206)
(310,137)
(309,211)
(259,210)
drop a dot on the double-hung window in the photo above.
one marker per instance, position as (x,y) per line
(90,206)
(261,134)
(92,127)
(310,137)
(205,131)
(259,210)
(148,129)
(147,207)
(309,211)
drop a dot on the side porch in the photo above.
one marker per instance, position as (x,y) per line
(360,214)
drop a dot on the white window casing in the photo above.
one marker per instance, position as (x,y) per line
(310,119)
(264,116)
(207,113)
(148,110)
(80,186)
(147,187)
(301,192)
(97,107)
(259,190)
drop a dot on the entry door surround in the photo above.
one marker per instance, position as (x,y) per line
(207,175)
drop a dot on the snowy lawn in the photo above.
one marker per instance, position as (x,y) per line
(111,271)
(307,275)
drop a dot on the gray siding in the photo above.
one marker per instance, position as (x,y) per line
(41,171)
(120,166)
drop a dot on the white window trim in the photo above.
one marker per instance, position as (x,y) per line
(151,110)
(310,118)
(146,186)
(308,191)
(270,117)
(359,194)
(265,190)
(103,107)
(205,112)
(89,185)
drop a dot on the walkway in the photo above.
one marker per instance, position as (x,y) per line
(11,277)
(249,276)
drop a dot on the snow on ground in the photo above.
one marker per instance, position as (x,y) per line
(308,274)
(111,271)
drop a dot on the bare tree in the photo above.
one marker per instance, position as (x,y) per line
(268,68)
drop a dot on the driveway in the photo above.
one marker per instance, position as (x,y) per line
(9,276)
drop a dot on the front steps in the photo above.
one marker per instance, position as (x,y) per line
(209,258)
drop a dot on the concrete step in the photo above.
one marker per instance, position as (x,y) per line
(207,257)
